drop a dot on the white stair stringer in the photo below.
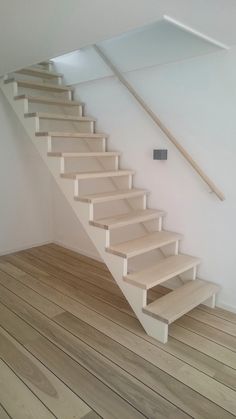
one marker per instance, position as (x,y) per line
(117,265)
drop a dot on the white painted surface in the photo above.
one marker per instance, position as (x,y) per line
(31,31)
(67,230)
(25,188)
(193,31)
(196,100)
(156,44)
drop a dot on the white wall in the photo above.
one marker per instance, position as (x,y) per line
(25,188)
(67,230)
(196,100)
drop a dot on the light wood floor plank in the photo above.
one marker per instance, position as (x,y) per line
(199,406)
(73,258)
(195,358)
(103,289)
(82,263)
(213,390)
(152,376)
(128,387)
(3,413)
(71,281)
(90,278)
(214,321)
(51,256)
(61,401)
(103,400)
(28,294)
(70,265)
(208,332)
(91,415)
(18,400)
(188,337)
(220,312)
(81,258)
(68,281)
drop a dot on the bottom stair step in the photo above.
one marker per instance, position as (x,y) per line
(180,301)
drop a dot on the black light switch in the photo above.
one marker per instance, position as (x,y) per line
(160,154)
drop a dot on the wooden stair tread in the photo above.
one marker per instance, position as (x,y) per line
(40,86)
(95,175)
(70,134)
(144,244)
(37,72)
(180,301)
(122,220)
(42,115)
(111,196)
(48,100)
(162,271)
(83,154)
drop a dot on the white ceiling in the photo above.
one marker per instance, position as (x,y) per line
(155,44)
(33,30)
(151,45)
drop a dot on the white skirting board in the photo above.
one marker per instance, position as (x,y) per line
(20,248)
(78,250)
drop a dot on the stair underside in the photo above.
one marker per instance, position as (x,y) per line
(132,217)
(49,101)
(37,72)
(144,244)
(180,301)
(59,117)
(72,134)
(96,175)
(57,88)
(162,271)
(111,196)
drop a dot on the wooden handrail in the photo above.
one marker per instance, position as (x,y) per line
(157,121)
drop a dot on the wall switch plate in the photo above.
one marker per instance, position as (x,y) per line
(160,154)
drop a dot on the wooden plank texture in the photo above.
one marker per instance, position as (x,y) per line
(53,316)
(181,300)
(48,100)
(71,134)
(97,175)
(144,244)
(112,196)
(168,364)
(18,400)
(162,271)
(61,401)
(123,220)
(57,88)
(3,413)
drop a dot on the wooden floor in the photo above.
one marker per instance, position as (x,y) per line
(70,347)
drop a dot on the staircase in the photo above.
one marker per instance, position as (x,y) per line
(98,191)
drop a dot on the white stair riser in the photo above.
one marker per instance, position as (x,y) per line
(84,164)
(53,108)
(40,79)
(65,126)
